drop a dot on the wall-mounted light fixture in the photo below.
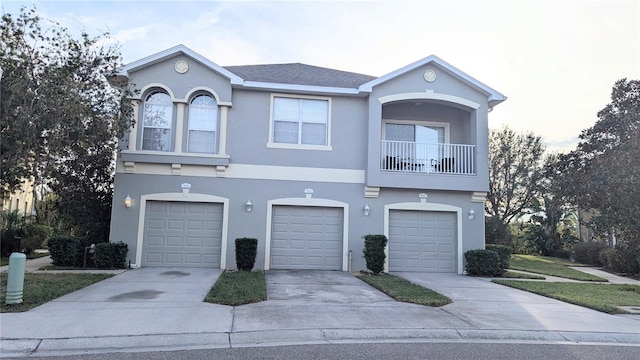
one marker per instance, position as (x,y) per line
(472,214)
(248,205)
(366,209)
(423,198)
(308,193)
(128,201)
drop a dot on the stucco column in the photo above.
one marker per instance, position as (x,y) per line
(222,147)
(133,132)
(179,127)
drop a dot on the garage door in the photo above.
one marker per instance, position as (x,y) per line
(422,241)
(182,234)
(306,238)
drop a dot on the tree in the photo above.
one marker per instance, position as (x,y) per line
(603,173)
(59,117)
(515,168)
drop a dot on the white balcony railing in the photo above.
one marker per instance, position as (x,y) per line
(406,156)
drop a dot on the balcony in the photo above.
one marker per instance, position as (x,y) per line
(412,157)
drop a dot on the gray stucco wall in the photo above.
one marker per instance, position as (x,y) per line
(254,224)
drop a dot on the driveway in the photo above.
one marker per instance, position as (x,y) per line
(486,305)
(139,301)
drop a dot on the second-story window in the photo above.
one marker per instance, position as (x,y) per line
(203,122)
(156,122)
(300,121)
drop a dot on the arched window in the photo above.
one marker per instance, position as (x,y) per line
(203,122)
(156,121)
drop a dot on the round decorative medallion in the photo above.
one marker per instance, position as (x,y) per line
(181,67)
(430,75)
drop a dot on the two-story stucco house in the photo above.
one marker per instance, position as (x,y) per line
(306,159)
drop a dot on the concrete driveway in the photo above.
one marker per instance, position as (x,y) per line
(153,309)
(139,301)
(485,305)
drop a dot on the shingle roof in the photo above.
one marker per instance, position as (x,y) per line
(299,74)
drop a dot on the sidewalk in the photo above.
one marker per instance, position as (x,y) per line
(34,266)
(156,309)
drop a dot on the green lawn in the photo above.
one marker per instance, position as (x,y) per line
(549,266)
(601,297)
(517,275)
(41,288)
(405,291)
(238,288)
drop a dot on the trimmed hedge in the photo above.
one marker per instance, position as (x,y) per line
(111,255)
(246,250)
(483,263)
(504,252)
(67,251)
(621,260)
(588,253)
(374,252)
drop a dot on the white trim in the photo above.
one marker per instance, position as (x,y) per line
(494,96)
(146,88)
(203,89)
(427,95)
(445,125)
(272,144)
(164,153)
(172,52)
(301,88)
(257,172)
(419,206)
(189,197)
(309,202)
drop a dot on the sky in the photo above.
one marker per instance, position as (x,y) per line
(556,61)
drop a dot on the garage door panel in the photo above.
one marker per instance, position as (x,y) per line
(306,238)
(422,241)
(182,234)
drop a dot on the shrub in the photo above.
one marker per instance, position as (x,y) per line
(111,255)
(12,232)
(35,236)
(561,253)
(374,252)
(482,262)
(588,253)
(67,251)
(620,259)
(504,252)
(246,250)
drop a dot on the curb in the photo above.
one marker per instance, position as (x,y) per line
(190,341)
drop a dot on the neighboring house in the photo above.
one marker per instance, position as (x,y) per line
(307,160)
(21,200)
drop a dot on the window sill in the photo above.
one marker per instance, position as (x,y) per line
(299,147)
(162,157)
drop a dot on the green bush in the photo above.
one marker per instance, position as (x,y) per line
(561,253)
(67,251)
(246,250)
(374,252)
(34,238)
(620,259)
(482,262)
(111,255)
(496,232)
(588,253)
(504,252)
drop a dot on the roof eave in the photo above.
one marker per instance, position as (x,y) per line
(300,88)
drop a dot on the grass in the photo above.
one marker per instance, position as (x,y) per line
(238,288)
(41,288)
(601,297)
(517,275)
(549,266)
(403,290)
